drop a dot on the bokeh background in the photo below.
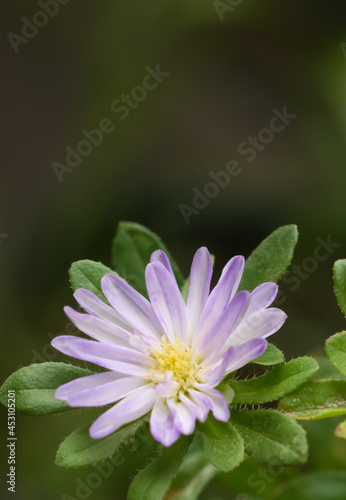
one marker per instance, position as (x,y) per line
(225,77)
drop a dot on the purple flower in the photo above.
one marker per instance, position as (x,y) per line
(164,356)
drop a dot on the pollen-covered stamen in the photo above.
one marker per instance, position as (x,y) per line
(177,358)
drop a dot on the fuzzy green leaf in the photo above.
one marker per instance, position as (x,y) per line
(79,449)
(271,356)
(271,437)
(320,485)
(222,443)
(132,247)
(154,481)
(35,387)
(271,258)
(276,383)
(336,350)
(316,399)
(194,474)
(88,274)
(339,273)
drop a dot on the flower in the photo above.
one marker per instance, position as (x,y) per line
(164,356)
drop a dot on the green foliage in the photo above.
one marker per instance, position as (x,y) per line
(132,247)
(88,274)
(271,437)
(274,384)
(271,356)
(336,350)
(194,474)
(222,443)
(321,485)
(316,399)
(339,273)
(79,449)
(271,258)
(35,387)
(154,481)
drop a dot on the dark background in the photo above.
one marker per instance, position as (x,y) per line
(225,78)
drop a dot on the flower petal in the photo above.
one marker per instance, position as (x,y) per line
(136,309)
(93,305)
(202,401)
(199,286)
(161,424)
(260,324)
(98,390)
(213,342)
(127,410)
(168,388)
(121,359)
(215,374)
(161,256)
(98,328)
(222,293)
(183,418)
(262,297)
(167,301)
(244,353)
(217,402)
(197,408)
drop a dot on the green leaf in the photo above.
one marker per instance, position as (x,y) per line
(316,399)
(194,474)
(222,443)
(336,350)
(276,383)
(340,431)
(271,356)
(132,247)
(339,273)
(154,481)
(319,485)
(79,449)
(271,258)
(87,274)
(271,437)
(35,387)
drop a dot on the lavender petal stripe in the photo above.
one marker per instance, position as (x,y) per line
(199,286)
(106,355)
(262,297)
(161,424)
(220,296)
(244,353)
(161,256)
(93,305)
(260,324)
(128,409)
(98,328)
(136,309)
(101,395)
(167,301)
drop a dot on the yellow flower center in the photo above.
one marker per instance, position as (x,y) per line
(177,358)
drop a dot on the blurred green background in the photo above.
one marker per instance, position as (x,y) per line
(225,78)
